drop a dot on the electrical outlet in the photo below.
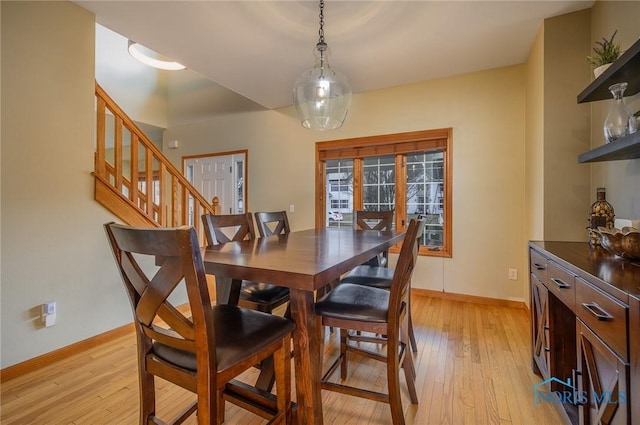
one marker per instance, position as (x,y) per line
(49,313)
(513,274)
(50,307)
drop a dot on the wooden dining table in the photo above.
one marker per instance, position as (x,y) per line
(305,262)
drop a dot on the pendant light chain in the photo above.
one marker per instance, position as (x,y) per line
(321,30)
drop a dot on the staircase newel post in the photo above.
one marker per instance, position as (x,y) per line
(215,204)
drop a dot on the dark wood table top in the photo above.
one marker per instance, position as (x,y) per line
(306,260)
(622,276)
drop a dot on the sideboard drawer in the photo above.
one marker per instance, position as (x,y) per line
(538,266)
(561,282)
(604,315)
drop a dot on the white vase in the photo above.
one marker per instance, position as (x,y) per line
(599,70)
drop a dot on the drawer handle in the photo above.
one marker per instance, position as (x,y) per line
(561,284)
(539,266)
(597,311)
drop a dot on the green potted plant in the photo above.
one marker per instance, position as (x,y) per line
(606,52)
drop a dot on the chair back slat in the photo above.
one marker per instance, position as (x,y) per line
(272,223)
(220,229)
(372,220)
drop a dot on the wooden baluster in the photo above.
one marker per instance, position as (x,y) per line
(171,207)
(100,158)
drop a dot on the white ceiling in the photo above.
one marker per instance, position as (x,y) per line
(257,48)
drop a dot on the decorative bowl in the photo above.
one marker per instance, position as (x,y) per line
(624,243)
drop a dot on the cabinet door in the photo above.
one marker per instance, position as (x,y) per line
(540,327)
(603,382)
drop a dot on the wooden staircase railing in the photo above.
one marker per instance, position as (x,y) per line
(135,181)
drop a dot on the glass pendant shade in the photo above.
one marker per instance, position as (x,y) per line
(321,95)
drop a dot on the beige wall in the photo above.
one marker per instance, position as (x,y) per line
(534,140)
(53,244)
(620,178)
(566,127)
(486,112)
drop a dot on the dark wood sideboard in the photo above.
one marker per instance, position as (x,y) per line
(585,318)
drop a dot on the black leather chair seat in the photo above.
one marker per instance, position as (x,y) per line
(240,333)
(355,302)
(378,277)
(262,292)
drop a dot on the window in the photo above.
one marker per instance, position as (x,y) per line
(339,204)
(338,193)
(409,173)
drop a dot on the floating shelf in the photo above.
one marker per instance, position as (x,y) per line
(625,148)
(625,69)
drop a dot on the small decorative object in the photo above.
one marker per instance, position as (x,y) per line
(600,216)
(623,243)
(606,52)
(619,122)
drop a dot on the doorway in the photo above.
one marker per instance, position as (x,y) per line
(220,174)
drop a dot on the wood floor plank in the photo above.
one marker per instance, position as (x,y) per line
(473,365)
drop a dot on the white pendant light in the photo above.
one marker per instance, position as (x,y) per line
(321,95)
(145,56)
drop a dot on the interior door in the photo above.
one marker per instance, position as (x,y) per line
(221,176)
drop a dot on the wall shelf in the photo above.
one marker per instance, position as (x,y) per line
(625,69)
(625,148)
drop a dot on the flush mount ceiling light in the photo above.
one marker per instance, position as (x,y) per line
(151,58)
(321,95)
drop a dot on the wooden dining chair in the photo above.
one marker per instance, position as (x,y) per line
(272,223)
(374,220)
(352,307)
(204,350)
(382,277)
(220,229)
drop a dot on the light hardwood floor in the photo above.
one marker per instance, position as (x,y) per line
(473,363)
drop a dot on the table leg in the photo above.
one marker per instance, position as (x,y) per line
(307,358)
(227,290)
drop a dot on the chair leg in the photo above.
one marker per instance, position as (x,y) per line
(208,405)
(147,396)
(344,336)
(405,332)
(220,407)
(408,366)
(407,362)
(282,360)
(393,379)
(412,335)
